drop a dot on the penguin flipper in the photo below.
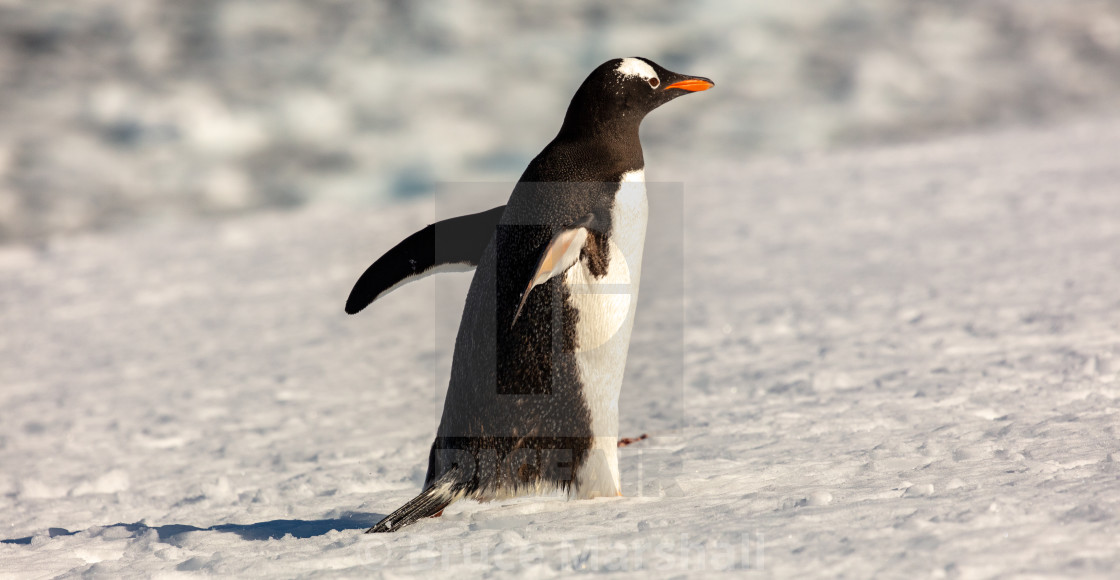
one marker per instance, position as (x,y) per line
(451,245)
(560,254)
(430,503)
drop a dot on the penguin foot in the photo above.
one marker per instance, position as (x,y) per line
(631,440)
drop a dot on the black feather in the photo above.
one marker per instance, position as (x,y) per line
(429,503)
(458,240)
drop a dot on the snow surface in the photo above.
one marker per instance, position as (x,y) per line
(117,112)
(897,362)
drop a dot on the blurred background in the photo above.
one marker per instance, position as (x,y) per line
(123,112)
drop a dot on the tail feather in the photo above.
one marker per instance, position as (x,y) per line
(429,503)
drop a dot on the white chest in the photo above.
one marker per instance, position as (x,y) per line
(606,316)
(606,304)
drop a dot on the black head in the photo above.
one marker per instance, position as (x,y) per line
(619,93)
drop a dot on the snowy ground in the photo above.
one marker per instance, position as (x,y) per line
(116,112)
(896,362)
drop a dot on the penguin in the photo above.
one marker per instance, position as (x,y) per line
(532,404)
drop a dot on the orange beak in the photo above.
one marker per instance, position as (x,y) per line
(691,85)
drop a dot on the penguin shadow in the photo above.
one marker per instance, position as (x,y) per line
(270,530)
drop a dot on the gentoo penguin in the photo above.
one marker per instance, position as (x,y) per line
(532,406)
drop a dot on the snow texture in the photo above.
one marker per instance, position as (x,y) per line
(116,112)
(897,362)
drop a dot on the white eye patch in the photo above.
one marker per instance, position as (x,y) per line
(637,67)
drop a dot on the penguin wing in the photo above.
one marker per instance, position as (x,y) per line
(559,255)
(451,245)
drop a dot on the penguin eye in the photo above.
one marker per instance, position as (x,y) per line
(654,82)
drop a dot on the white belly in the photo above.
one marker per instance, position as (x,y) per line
(606,316)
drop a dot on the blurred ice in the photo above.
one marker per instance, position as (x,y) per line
(113,111)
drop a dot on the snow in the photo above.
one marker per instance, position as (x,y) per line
(894,362)
(120,112)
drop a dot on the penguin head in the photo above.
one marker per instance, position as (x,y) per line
(621,92)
